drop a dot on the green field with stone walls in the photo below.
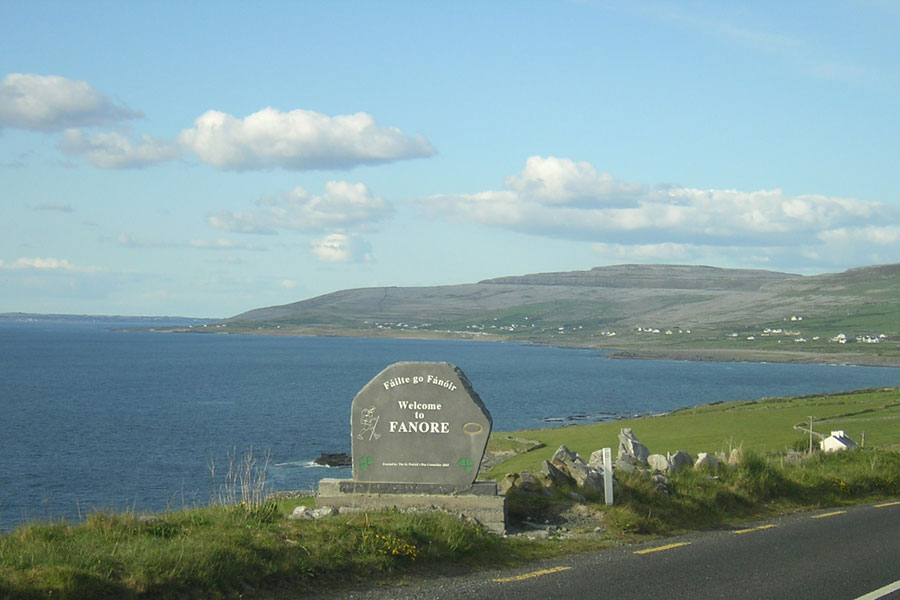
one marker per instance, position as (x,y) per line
(764,425)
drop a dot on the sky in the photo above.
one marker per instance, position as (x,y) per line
(207,158)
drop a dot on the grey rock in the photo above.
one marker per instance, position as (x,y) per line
(706,461)
(680,460)
(528,483)
(586,477)
(507,483)
(626,464)
(629,445)
(564,455)
(303,512)
(555,474)
(596,459)
(577,497)
(339,459)
(659,463)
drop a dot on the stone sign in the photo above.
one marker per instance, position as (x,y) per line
(418,422)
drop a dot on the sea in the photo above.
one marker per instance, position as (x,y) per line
(97,416)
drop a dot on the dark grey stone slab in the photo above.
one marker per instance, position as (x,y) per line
(419,422)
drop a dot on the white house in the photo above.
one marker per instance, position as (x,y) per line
(836,442)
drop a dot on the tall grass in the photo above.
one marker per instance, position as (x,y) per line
(226,551)
(757,486)
(244,480)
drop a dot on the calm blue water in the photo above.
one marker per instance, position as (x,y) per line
(92,418)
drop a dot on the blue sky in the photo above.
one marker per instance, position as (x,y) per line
(207,158)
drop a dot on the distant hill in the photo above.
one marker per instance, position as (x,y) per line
(643,308)
(107,320)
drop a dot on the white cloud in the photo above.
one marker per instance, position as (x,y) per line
(47,265)
(128,241)
(562,181)
(222,245)
(54,103)
(297,140)
(877,235)
(340,248)
(343,206)
(636,222)
(560,198)
(115,151)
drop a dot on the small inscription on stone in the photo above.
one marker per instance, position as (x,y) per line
(418,422)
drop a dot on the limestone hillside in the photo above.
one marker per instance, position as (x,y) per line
(617,307)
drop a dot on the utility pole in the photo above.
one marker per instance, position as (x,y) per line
(811,434)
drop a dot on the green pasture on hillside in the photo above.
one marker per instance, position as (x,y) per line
(765,425)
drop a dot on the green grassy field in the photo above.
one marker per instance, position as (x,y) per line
(762,425)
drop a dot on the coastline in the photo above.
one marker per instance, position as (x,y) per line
(621,353)
(757,356)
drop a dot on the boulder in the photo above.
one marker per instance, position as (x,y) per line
(303,512)
(507,483)
(567,467)
(577,497)
(340,459)
(659,463)
(629,445)
(586,477)
(555,474)
(680,460)
(596,459)
(662,483)
(626,464)
(564,455)
(706,461)
(734,459)
(528,483)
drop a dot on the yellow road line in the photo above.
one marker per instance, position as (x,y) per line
(661,548)
(531,575)
(760,528)
(831,514)
(881,592)
(887,504)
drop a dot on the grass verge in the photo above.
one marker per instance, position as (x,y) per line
(234,552)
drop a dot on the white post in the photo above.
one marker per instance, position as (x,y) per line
(607,476)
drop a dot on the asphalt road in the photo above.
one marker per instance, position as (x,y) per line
(840,554)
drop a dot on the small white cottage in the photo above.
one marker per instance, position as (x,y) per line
(836,442)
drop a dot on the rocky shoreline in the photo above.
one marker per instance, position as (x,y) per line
(685,354)
(757,356)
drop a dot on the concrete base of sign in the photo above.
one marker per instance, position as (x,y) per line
(480,501)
